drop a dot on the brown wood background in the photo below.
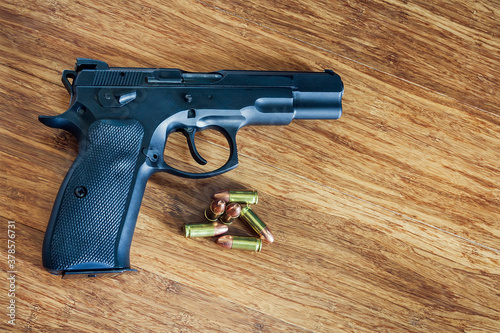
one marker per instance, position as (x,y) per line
(385,220)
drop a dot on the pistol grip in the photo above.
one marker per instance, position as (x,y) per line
(91,226)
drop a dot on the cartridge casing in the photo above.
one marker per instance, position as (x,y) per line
(240,243)
(248,197)
(204,229)
(249,216)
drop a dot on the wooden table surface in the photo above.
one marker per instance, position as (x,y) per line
(386,220)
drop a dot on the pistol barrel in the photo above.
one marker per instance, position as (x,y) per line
(317,105)
(318,96)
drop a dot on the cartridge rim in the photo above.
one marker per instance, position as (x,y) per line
(259,246)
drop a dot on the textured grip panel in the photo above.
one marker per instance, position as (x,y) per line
(93,205)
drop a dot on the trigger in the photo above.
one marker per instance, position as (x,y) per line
(189,133)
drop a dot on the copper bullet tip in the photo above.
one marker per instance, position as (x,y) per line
(225,241)
(215,210)
(218,206)
(267,235)
(233,210)
(220,228)
(221,195)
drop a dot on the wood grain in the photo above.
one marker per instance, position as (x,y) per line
(385,220)
(145,300)
(449,47)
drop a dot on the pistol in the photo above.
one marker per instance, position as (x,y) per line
(122,118)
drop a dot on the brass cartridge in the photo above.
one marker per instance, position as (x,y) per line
(249,216)
(204,229)
(240,243)
(248,197)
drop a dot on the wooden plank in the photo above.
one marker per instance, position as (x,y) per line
(449,47)
(142,301)
(330,249)
(336,263)
(409,152)
(391,265)
(417,153)
(385,220)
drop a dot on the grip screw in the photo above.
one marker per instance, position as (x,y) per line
(80,191)
(80,111)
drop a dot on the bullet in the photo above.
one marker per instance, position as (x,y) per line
(215,210)
(204,229)
(240,243)
(249,216)
(240,196)
(232,212)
